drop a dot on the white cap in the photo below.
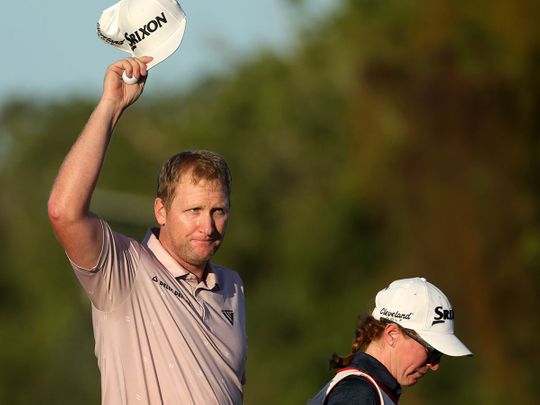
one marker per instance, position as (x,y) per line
(416,304)
(143,27)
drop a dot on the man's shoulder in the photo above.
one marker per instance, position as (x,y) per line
(115,242)
(116,235)
(219,269)
(226,275)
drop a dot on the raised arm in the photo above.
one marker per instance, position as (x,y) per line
(78,229)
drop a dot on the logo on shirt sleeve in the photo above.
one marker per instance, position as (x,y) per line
(229,315)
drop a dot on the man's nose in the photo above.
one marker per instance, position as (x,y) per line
(206,224)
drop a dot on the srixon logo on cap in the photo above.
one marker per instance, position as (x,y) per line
(442,315)
(145,31)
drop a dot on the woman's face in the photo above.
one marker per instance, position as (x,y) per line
(410,360)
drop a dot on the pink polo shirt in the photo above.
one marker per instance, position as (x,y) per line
(161,337)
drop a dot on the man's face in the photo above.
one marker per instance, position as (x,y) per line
(194,225)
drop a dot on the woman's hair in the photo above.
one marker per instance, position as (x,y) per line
(368,329)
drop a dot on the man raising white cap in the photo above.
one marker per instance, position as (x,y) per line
(169,325)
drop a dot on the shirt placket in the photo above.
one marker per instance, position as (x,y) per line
(196,288)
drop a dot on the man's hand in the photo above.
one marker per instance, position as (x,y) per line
(122,95)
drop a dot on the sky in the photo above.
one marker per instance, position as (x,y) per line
(54,51)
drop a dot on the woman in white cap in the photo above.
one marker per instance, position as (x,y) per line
(404,337)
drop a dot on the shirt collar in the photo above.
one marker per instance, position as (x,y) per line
(152,242)
(378,371)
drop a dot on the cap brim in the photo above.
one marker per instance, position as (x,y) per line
(167,47)
(446,343)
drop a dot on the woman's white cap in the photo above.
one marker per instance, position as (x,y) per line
(416,304)
(143,27)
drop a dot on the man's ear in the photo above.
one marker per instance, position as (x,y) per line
(160,212)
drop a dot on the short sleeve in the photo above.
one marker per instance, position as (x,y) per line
(110,282)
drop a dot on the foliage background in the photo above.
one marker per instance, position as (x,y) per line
(400,138)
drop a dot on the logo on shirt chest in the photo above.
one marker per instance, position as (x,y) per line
(167,287)
(229,315)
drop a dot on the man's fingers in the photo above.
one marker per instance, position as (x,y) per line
(133,67)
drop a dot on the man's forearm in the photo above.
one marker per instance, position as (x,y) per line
(76,227)
(80,170)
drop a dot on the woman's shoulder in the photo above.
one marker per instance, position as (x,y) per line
(352,390)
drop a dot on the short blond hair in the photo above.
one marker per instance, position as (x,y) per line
(202,164)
